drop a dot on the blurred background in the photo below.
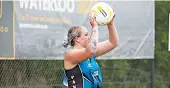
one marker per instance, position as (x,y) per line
(134,72)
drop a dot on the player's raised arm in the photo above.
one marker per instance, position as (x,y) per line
(111,43)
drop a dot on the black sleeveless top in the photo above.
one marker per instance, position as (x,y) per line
(74,77)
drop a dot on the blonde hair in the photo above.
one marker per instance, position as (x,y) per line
(74,31)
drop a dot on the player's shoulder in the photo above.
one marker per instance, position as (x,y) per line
(68,54)
(72,52)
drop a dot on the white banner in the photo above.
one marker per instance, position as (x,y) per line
(40,27)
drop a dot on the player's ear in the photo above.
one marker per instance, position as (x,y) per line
(77,39)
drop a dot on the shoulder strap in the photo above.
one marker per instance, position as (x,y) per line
(93,59)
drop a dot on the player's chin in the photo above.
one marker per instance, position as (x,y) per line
(85,45)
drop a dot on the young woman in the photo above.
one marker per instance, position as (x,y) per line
(81,68)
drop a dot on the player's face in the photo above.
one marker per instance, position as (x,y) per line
(84,38)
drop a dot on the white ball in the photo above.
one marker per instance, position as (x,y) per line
(103,13)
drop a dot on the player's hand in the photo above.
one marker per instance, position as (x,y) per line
(112,21)
(92,20)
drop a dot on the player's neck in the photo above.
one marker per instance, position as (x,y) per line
(78,47)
